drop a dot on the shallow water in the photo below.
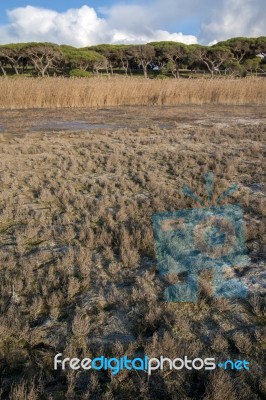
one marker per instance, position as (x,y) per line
(59,125)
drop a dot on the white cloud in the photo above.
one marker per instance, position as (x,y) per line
(235,18)
(81,27)
(213,20)
(212,43)
(75,26)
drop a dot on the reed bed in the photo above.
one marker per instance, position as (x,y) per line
(116,91)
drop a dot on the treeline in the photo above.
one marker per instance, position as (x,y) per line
(237,56)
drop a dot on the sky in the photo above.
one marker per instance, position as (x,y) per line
(88,22)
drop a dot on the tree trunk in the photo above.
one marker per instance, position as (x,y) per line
(3,70)
(124,66)
(145,72)
(15,69)
(176,69)
(45,70)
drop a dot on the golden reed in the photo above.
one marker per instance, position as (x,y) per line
(117,91)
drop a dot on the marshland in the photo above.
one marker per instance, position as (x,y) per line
(79,272)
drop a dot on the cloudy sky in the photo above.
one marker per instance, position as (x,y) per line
(87,22)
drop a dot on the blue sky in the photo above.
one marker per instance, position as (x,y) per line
(84,22)
(52,4)
(190,25)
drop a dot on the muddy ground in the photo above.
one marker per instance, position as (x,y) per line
(55,120)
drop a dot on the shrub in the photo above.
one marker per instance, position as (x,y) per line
(80,73)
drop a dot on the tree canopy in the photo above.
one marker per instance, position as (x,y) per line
(237,55)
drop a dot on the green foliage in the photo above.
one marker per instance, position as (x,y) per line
(80,58)
(167,51)
(240,47)
(41,46)
(116,55)
(164,44)
(80,73)
(162,77)
(170,67)
(235,55)
(252,64)
(107,48)
(260,44)
(15,46)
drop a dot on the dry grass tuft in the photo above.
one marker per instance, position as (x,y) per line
(80,277)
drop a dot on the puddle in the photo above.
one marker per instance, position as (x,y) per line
(59,125)
(2,128)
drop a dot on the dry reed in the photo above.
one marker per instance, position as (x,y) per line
(103,91)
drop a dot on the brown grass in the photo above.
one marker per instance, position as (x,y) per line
(79,274)
(117,91)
